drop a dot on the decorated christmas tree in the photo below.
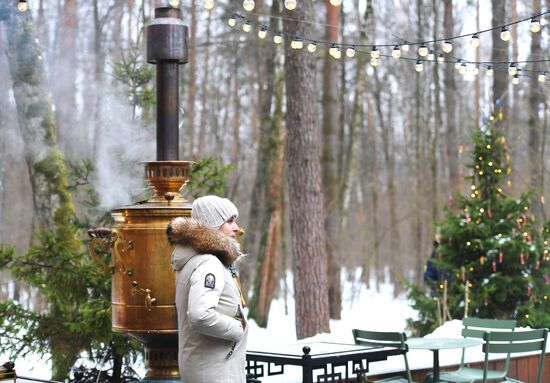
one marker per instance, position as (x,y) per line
(493,256)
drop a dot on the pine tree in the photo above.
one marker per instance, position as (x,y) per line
(493,253)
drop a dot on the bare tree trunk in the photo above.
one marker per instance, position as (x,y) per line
(329,163)
(266,200)
(205,111)
(64,86)
(305,186)
(536,129)
(499,53)
(450,108)
(191,91)
(51,199)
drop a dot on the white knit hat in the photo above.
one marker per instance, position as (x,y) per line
(213,210)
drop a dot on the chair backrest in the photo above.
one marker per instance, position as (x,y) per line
(476,327)
(384,339)
(514,342)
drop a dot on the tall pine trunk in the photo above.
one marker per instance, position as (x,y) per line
(304,180)
(329,163)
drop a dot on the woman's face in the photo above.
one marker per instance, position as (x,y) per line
(230,227)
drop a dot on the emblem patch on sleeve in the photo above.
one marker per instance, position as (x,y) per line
(210,281)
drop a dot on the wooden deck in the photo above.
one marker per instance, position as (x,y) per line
(523,368)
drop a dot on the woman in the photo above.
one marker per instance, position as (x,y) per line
(209,304)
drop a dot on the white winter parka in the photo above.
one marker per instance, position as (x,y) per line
(212,341)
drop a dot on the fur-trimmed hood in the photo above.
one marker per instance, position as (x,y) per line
(198,238)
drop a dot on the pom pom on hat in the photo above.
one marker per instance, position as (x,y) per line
(213,210)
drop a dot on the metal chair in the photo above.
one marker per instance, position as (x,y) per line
(476,328)
(514,342)
(385,339)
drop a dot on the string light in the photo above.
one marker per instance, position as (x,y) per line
(374,62)
(173,3)
(332,50)
(375,53)
(262,33)
(534,26)
(405,47)
(447,47)
(423,50)
(505,34)
(431,56)
(440,59)
(208,4)
(277,38)
(512,69)
(490,71)
(457,64)
(296,43)
(350,52)
(515,79)
(463,69)
(249,5)
(290,4)
(312,47)
(542,77)
(232,21)
(474,41)
(337,54)
(475,70)
(335,3)
(419,67)
(396,52)
(247,27)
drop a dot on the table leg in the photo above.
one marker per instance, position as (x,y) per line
(436,365)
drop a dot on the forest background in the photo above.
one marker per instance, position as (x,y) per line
(391,141)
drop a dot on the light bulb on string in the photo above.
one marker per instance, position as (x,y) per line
(247,27)
(335,3)
(332,50)
(296,43)
(373,62)
(457,64)
(290,5)
(474,41)
(262,32)
(337,54)
(396,52)
(534,26)
(431,56)
(512,69)
(463,69)
(490,72)
(278,38)
(440,59)
(312,47)
(541,77)
(208,4)
(475,70)
(173,3)
(350,52)
(505,34)
(232,21)
(447,47)
(423,50)
(249,5)
(375,53)
(515,79)
(405,47)
(419,67)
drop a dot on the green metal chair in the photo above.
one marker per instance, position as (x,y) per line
(514,342)
(385,339)
(476,328)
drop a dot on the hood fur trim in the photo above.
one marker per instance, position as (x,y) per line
(203,238)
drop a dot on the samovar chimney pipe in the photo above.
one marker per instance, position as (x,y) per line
(167,47)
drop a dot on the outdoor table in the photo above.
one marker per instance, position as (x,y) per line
(320,361)
(436,344)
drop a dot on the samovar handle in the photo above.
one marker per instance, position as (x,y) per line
(102,238)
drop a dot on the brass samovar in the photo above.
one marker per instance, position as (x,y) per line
(143,282)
